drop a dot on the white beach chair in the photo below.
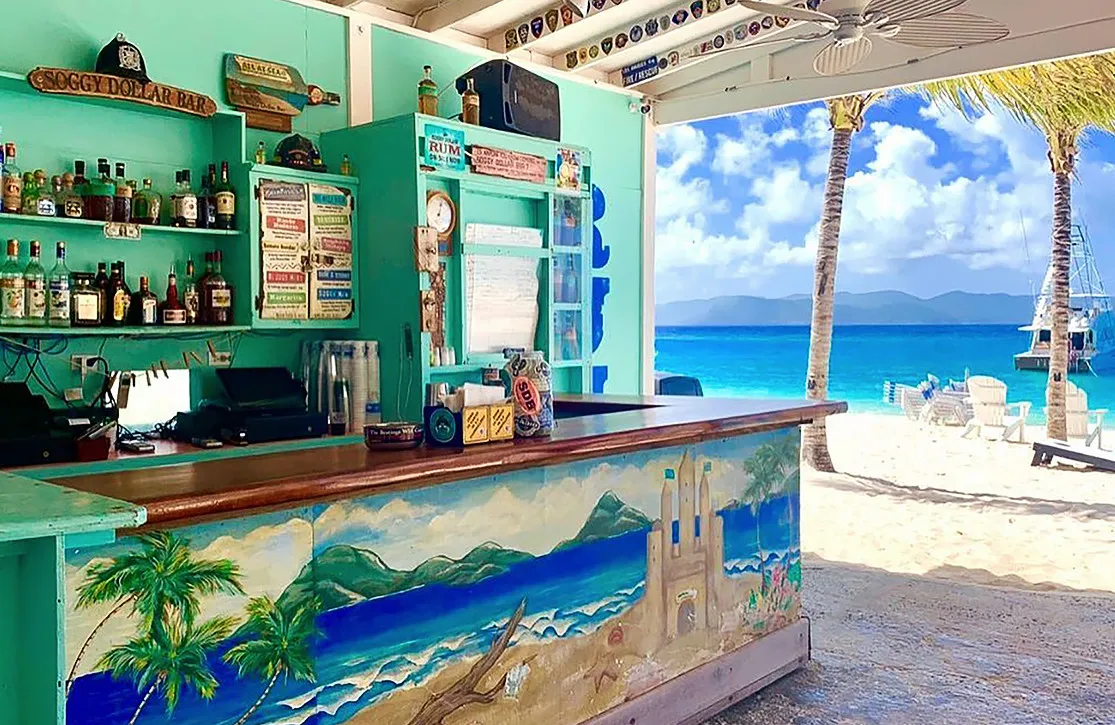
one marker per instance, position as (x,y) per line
(990,409)
(946,407)
(1079,419)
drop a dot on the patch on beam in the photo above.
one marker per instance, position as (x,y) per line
(527,30)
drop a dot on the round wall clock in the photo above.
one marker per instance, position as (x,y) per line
(441,214)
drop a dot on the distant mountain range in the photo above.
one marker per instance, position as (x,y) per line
(872,308)
(342,575)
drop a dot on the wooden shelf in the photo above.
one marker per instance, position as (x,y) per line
(151,331)
(13,219)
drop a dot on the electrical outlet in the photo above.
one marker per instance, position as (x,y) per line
(83,364)
(219,359)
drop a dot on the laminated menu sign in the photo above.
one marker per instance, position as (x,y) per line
(284,246)
(330,217)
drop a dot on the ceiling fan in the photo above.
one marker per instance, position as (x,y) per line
(847,32)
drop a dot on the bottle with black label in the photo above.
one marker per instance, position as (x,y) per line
(225,200)
(206,201)
(184,202)
(144,308)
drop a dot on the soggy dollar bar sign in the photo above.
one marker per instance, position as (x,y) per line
(83,83)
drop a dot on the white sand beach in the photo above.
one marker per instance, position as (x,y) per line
(918,499)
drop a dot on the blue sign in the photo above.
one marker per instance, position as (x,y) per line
(641,71)
(445,148)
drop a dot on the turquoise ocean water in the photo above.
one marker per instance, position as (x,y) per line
(764,362)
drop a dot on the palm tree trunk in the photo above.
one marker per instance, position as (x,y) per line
(143,703)
(1059,339)
(89,640)
(762,557)
(815,436)
(258,703)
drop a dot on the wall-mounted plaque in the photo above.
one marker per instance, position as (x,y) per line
(99,85)
(270,94)
(445,148)
(508,164)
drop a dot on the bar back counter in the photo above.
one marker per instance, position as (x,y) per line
(640,566)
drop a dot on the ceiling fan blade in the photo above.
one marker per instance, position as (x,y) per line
(579,7)
(950,30)
(785,11)
(837,59)
(902,10)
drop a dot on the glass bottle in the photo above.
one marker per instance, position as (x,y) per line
(346,166)
(58,285)
(427,92)
(144,307)
(12,181)
(118,297)
(44,195)
(100,194)
(12,293)
(172,311)
(206,201)
(261,153)
(470,104)
(34,282)
(73,204)
(225,200)
(190,298)
(87,302)
(29,197)
(57,195)
(122,197)
(572,281)
(202,312)
(217,295)
(80,182)
(101,280)
(558,281)
(147,205)
(184,202)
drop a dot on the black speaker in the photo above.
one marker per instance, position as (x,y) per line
(514,99)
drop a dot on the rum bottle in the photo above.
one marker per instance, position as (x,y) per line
(427,92)
(12,293)
(147,205)
(34,282)
(144,307)
(122,197)
(470,104)
(12,181)
(184,202)
(225,200)
(100,194)
(172,311)
(58,301)
(190,297)
(118,297)
(217,295)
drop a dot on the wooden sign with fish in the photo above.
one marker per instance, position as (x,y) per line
(270,94)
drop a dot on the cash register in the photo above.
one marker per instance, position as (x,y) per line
(259,405)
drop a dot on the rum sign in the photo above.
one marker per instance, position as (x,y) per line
(508,164)
(83,83)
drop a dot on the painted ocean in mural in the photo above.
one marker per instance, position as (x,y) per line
(563,572)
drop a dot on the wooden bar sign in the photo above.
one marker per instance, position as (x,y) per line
(99,85)
(508,164)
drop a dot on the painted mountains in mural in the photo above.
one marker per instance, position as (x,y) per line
(343,575)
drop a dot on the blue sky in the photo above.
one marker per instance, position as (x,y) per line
(935,202)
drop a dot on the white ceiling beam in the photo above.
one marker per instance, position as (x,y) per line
(712,98)
(448,13)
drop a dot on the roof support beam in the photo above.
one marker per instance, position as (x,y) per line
(447,13)
(531,28)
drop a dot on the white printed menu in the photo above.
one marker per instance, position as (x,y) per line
(502,302)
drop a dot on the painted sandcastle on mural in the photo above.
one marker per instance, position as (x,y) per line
(609,577)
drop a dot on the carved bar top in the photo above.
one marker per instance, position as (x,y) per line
(603,426)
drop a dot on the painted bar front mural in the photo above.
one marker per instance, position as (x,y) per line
(547,595)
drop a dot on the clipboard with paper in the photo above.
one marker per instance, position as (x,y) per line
(501,303)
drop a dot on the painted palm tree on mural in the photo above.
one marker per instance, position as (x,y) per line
(160,575)
(761,487)
(279,646)
(1064,100)
(170,662)
(845,117)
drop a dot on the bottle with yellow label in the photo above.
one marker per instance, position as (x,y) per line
(12,181)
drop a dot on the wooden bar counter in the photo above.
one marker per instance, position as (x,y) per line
(641,565)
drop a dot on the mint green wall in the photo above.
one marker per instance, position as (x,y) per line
(183,45)
(598,119)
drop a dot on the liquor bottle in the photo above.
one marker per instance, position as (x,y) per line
(58,301)
(172,311)
(57,195)
(100,194)
(190,298)
(427,92)
(144,307)
(572,291)
(346,166)
(12,181)
(470,104)
(206,201)
(217,296)
(147,205)
(122,197)
(34,282)
(225,198)
(118,297)
(12,292)
(86,301)
(558,281)
(101,280)
(261,153)
(44,196)
(80,182)
(184,202)
(29,196)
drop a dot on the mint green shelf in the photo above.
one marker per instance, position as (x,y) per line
(567,307)
(455,369)
(13,219)
(505,250)
(152,331)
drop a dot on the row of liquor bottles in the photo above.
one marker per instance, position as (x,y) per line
(32,297)
(107,199)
